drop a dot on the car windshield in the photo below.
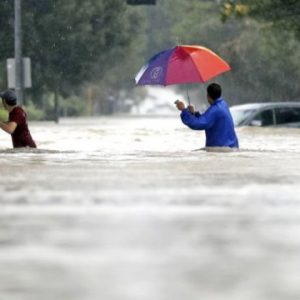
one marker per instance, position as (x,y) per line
(240,115)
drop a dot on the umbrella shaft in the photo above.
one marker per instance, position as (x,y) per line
(188,96)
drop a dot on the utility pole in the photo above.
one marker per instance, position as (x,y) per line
(18,53)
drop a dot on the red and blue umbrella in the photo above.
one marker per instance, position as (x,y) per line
(181,65)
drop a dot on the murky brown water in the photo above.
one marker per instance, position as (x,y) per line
(128,208)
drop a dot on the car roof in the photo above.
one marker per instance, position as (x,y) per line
(251,106)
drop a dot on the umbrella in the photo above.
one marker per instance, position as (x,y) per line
(182,64)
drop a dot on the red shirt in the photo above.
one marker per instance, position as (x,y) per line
(21,137)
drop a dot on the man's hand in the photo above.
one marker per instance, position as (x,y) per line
(180,105)
(191,108)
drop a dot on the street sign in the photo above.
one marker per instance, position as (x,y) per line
(11,74)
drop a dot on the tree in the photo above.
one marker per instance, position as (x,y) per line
(6,37)
(284,14)
(70,42)
(265,62)
(74,41)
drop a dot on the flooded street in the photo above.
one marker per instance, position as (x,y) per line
(130,208)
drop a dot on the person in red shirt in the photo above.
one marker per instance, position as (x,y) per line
(17,122)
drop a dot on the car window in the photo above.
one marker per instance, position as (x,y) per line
(286,115)
(264,118)
(240,115)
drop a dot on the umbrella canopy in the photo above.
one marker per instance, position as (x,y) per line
(180,65)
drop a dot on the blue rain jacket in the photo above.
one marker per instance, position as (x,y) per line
(217,123)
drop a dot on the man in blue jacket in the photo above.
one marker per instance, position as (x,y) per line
(216,120)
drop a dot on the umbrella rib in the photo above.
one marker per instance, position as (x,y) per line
(167,66)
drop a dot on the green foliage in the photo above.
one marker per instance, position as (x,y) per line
(6,38)
(265,65)
(34,114)
(3,114)
(284,14)
(68,107)
(72,106)
(7,30)
(69,40)
(2,76)
(118,83)
(265,62)
(99,45)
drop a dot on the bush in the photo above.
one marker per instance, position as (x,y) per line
(72,106)
(34,114)
(3,114)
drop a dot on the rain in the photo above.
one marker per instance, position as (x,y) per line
(121,200)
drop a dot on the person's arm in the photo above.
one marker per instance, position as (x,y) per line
(192,119)
(8,127)
(197,121)
(181,106)
(197,114)
(191,108)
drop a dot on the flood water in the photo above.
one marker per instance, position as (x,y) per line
(130,208)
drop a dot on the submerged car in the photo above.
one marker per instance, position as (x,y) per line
(279,114)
